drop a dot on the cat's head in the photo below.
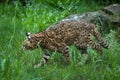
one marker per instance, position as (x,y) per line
(28,43)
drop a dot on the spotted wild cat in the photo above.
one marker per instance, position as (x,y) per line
(63,34)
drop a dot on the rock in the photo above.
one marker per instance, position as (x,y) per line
(112,9)
(89,16)
(100,17)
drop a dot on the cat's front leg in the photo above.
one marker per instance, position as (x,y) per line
(44,59)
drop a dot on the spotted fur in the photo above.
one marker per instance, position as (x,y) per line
(63,34)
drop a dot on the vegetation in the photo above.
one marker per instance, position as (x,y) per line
(16,64)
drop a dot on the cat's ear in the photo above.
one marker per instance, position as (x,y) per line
(28,35)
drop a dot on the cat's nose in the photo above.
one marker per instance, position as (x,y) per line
(23,48)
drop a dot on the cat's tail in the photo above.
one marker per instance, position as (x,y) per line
(98,36)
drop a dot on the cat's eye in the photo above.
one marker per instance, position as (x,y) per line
(29,37)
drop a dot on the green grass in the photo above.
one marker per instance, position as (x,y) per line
(16,64)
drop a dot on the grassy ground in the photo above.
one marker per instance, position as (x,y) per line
(15,64)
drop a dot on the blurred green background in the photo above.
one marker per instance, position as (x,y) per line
(16,16)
